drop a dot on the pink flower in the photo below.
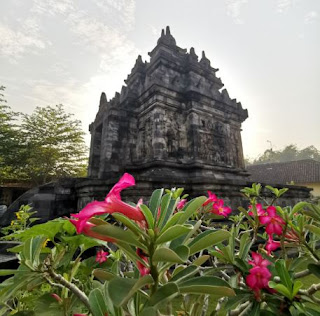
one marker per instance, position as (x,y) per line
(274,223)
(181,204)
(86,230)
(258,278)
(219,209)
(56,297)
(272,245)
(111,204)
(142,268)
(101,256)
(258,260)
(260,210)
(211,199)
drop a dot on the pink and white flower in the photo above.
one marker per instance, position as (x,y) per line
(219,208)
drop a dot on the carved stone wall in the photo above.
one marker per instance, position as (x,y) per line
(172,113)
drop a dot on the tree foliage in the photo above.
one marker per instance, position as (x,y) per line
(10,141)
(55,144)
(46,145)
(289,153)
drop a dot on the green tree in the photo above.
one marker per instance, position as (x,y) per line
(289,153)
(11,147)
(55,145)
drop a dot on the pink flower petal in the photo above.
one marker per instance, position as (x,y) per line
(181,204)
(86,230)
(271,210)
(127,180)
(264,219)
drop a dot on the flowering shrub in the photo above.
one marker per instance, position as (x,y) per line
(169,258)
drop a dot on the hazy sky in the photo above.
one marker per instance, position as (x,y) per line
(268,53)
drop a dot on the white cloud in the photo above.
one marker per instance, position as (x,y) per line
(15,43)
(234,9)
(285,5)
(311,17)
(123,10)
(52,7)
(114,48)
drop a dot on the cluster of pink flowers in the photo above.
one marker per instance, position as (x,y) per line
(273,222)
(218,207)
(259,275)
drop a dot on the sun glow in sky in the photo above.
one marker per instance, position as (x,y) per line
(69,51)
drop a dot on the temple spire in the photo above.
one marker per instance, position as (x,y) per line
(204,60)
(166,38)
(103,99)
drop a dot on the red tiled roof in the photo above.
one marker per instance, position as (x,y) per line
(300,171)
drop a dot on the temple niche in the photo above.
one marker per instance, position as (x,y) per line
(173,115)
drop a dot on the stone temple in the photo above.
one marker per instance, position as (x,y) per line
(172,120)
(172,125)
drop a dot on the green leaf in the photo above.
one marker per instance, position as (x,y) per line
(171,208)
(97,303)
(201,260)
(244,246)
(297,285)
(298,207)
(148,215)
(208,239)
(190,208)
(179,255)
(7,272)
(283,273)
(246,214)
(314,229)
(255,309)
(119,234)
(103,275)
(185,273)
(173,233)
(129,223)
(314,269)
(206,285)
(130,252)
(172,221)
(122,289)
(82,241)
(282,289)
(165,202)
(155,202)
(164,294)
(48,230)
(149,311)
(31,251)
(234,301)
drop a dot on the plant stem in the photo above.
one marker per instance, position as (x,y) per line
(311,251)
(153,270)
(310,291)
(73,288)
